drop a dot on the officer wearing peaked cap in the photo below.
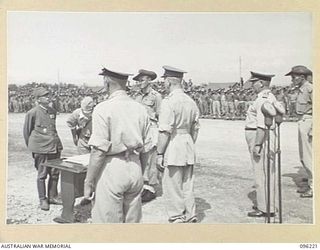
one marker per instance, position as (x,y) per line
(255,136)
(119,130)
(299,76)
(42,140)
(151,100)
(178,130)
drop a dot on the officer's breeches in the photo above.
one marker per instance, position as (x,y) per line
(305,146)
(43,172)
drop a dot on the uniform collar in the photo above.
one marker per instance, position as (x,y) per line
(117,94)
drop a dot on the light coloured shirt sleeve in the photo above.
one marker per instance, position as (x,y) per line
(72,121)
(166,118)
(100,132)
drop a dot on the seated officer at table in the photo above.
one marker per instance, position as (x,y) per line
(42,140)
(119,129)
(80,123)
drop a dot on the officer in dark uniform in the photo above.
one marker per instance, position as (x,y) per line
(42,140)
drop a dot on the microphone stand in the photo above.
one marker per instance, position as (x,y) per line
(278,120)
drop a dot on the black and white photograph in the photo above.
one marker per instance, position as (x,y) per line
(159,118)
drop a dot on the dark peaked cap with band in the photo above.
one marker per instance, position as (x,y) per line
(117,75)
(173,72)
(143,72)
(258,76)
(40,91)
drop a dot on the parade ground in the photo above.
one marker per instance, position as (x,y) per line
(223,177)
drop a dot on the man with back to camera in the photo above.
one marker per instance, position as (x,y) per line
(119,130)
(178,132)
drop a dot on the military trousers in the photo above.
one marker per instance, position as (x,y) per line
(118,191)
(250,136)
(178,186)
(216,108)
(43,172)
(261,172)
(305,146)
(150,175)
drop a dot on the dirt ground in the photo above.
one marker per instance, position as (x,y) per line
(223,177)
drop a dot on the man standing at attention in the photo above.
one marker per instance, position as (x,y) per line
(151,100)
(42,140)
(119,130)
(178,131)
(299,75)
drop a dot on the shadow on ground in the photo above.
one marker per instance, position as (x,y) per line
(201,206)
(299,178)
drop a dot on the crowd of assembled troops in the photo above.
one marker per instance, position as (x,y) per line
(224,103)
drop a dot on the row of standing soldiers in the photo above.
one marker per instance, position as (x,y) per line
(234,103)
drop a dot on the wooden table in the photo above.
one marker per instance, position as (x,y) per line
(72,184)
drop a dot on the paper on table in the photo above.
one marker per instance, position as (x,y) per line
(80,159)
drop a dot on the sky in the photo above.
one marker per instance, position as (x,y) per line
(73,47)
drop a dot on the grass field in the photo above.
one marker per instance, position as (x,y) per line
(223,177)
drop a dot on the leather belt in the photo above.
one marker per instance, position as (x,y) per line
(182,131)
(250,128)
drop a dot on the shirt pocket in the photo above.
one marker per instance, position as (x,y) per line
(148,102)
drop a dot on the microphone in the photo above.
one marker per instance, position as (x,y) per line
(269,112)
(280,112)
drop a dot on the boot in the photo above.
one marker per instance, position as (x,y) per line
(53,192)
(44,205)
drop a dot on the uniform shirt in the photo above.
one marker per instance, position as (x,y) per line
(77,120)
(251,118)
(119,124)
(304,99)
(255,117)
(152,101)
(179,117)
(215,97)
(40,132)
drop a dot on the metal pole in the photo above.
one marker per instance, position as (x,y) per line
(268,175)
(279,176)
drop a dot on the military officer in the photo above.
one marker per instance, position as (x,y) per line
(80,123)
(256,139)
(151,100)
(299,75)
(42,140)
(119,130)
(178,131)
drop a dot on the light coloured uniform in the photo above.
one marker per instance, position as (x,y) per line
(77,120)
(179,117)
(120,127)
(304,112)
(254,120)
(152,102)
